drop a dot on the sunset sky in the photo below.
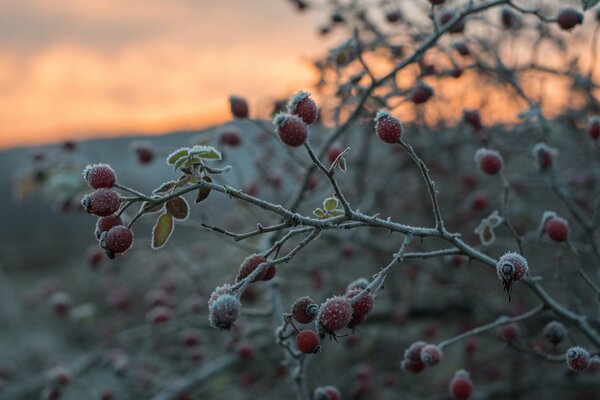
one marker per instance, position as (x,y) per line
(89,68)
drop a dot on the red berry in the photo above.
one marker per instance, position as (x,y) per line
(61,303)
(360,308)
(60,375)
(219,291)
(144,152)
(94,256)
(554,332)
(303,106)
(480,202)
(308,342)
(594,127)
(421,93)
(231,138)
(461,385)
(360,283)
(249,265)
(568,18)
(489,161)
(511,266)
(388,128)
(578,359)
(224,311)
(557,229)
(327,393)
(334,314)
(159,315)
(104,224)
(431,355)
(446,16)
(291,129)
(270,273)
(412,358)
(239,107)
(473,118)
(190,337)
(245,350)
(118,239)
(107,394)
(509,332)
(101,202)
(99,176)
(544,156)
(69,145)
(304,310)
(333,153)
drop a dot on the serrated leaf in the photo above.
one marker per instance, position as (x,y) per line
(206,152)
(180,163)
(319,213)
(162,231)
(176,155)
(336,213)
(587,4)
(178,208)
(165,187)
(152,208)
(330,203)
(203,192)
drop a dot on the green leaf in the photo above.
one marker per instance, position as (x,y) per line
(180,163)
(206,152)
(587,4)
(176,155)
(330,203)
(319,213)
(336,213)
(178,208)
(162,231)
(342,164)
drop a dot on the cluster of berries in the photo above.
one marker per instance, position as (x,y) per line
(291,126)
(104,202)
(420,355)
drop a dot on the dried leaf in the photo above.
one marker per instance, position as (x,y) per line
(203,192)
(162,231)
(178,208)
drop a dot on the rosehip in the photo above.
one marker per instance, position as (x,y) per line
(190,337)
(544,156)
(291,129)
(99,176)
(333,153)
(578,359)
(511,267)
(557,229)
(412,358)
(388,128)
(360,283)
(461,385)
(61,303)
(224,311)
(509,332)
(159,315)
(104,224)
(94,256)
(334,314)
(101,202)
(446,16)
(304,310)
(473,118)
(245,350)
(60,375)
(431,355)
(239,107)
(554,332)
(421,93)
(303,106)
(360,308)
(308,342)
(327,393)
(219,291)
(568,18)
(231,138)
(249,265)
(144,152)
(489,161)
(118,239)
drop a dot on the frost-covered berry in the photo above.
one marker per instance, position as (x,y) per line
(219,291)
(231,137)
(144,151)
(270,273)
(60,375)
(431,355)
(224,311)
(334,314)
(304,310)
(101,202)
(246,350)
(578,359)
(461,385)
(190,337)
(104,224)
(511,267)
(557,228)
(387,127)
(509,332)
(594,127)
(238,106)
(303,106)
(489,161)
(249,265)
(360,308)
(159,315)
(554,332)
(327,393)
(94,256)
(412,358)
(333,153)
(61,303)
(99,176)
(308,342)
(118,239)
(291,129)
(544,156)
(360,283)
(568,18)
(421,93)
(446,16)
